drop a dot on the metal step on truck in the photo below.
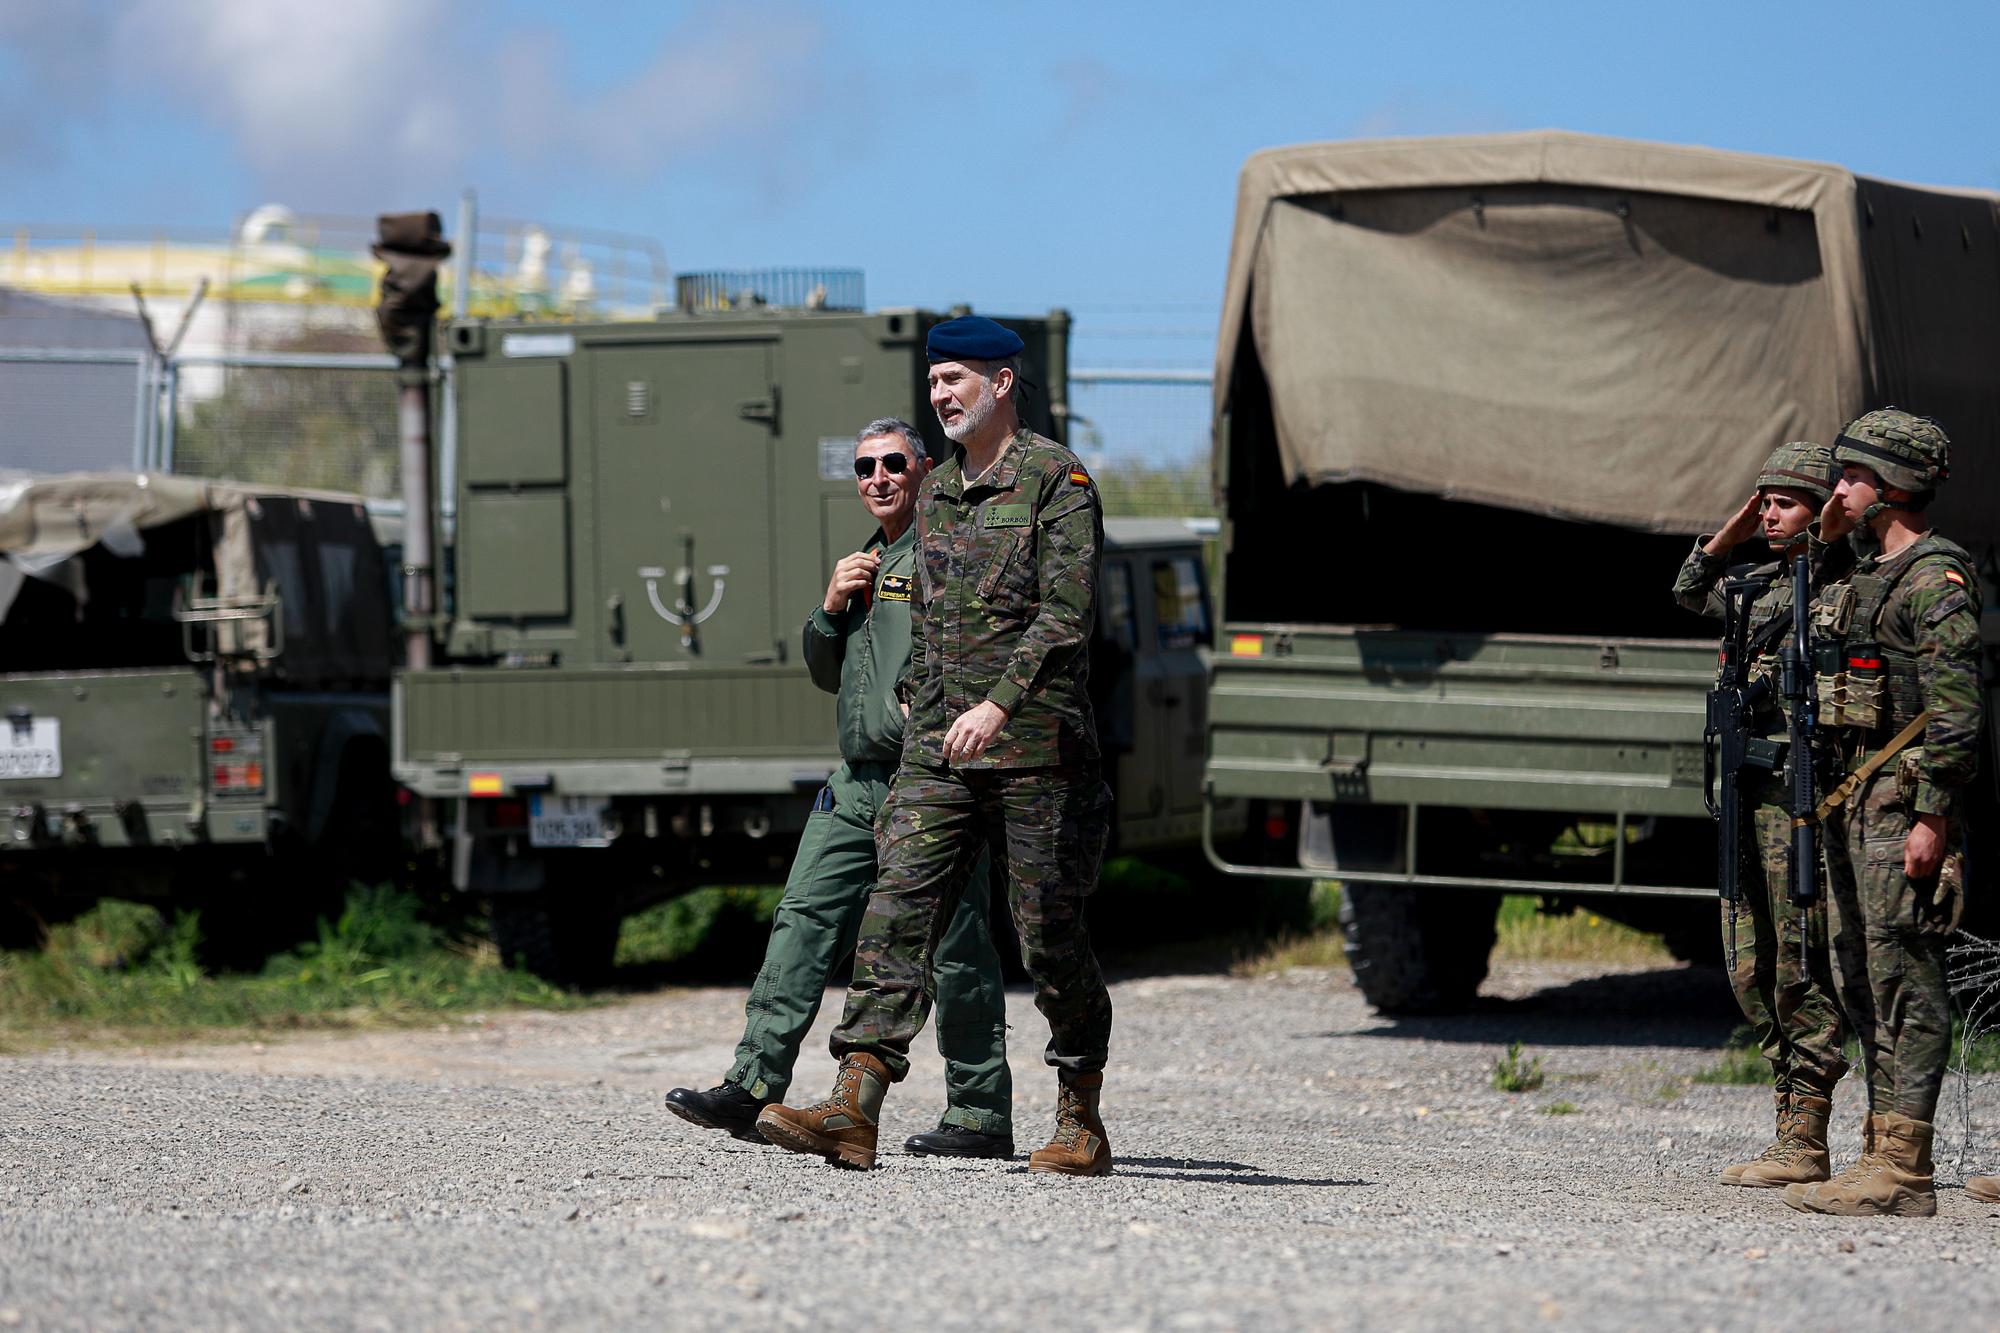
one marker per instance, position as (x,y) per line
(645,513)
(194,702)
(1474,398)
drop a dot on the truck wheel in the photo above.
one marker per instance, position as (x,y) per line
(559,942)
(1417,951)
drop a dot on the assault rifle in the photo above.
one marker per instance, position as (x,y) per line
(1727,743)
(1802,701)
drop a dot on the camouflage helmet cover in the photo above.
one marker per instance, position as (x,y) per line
(1907,451)
(1801,466)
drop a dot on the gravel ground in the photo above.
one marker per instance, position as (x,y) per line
(1285,1158)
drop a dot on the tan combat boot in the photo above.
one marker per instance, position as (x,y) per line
(1799,1155)
(1986,1189)
(1891,1180)
(841,1128)
(1080,1147)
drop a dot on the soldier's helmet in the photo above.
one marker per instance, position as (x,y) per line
(1905,450)
(1801,466)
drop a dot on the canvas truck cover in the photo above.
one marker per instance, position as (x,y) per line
(317,550)
(1598,329)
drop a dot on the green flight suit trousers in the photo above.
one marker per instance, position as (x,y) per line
(815,927)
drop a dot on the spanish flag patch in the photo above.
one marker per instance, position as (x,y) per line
(1078,477)
(1951,574)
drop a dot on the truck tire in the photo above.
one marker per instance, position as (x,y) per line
(562,943)
(1417,951)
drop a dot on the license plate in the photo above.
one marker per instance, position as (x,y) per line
(31,751)
(566,821)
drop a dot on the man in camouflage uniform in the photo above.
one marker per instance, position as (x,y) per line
(857,646)
(1001,752)
(1900,695)
(1779,969)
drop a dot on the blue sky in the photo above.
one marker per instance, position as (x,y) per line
(1014,156)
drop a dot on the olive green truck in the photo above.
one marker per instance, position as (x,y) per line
(194,702)
(644,514)
(1474,399)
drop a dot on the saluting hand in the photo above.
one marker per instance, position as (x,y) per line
(967,737)
(1833,524)
(1742,525)
(854,574)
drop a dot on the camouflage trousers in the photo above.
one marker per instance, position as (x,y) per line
(1888,934)
(1782,976)
(1046,829)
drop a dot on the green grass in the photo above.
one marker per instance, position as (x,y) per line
(1525,934)
(123,969)
(1561,1108)
(707,934)
(1514,1072)
(1743,1063)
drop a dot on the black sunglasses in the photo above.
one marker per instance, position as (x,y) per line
(895,463)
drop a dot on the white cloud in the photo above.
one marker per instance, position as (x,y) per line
(367,104)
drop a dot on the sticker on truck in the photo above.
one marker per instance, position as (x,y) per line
(31,748)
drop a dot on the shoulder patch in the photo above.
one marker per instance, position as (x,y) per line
(1955,577)
(1078,477)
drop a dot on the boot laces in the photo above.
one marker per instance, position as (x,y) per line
(1070,1128)
(846,1089)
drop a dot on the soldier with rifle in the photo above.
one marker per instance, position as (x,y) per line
(1899,693)
(1774,923)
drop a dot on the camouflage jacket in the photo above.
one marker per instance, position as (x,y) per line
(861,653)
(1698,589)
(1007,572)
(1931,614)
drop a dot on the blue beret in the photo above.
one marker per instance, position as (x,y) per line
(971,338)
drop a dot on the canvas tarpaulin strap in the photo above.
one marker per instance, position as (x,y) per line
(1591,328)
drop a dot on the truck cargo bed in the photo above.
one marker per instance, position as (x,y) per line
(1528,722)
(613,730)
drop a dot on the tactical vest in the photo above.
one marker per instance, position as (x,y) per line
(1865,684)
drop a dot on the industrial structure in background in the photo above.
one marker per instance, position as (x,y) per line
(1472,399)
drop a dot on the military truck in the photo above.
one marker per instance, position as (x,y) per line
(645,512)
(194,677)
(1473,399)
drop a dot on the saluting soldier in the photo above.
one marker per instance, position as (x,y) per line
(857,646)
(1902,700)
(1001,753)
(1780,972)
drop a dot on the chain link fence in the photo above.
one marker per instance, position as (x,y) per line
(1145,434)
(327,422)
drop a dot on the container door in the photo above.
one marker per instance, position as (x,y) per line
(685,451)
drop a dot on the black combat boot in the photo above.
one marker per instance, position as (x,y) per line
(725,1106)
(958,1141)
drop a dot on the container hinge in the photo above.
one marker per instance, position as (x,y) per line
(761,409)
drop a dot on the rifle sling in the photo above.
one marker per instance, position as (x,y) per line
(1852,782)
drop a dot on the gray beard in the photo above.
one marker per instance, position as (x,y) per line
(973,419)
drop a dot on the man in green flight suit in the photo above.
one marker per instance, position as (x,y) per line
(1899,691)
(1001,754)
(1779,969)
(857,645)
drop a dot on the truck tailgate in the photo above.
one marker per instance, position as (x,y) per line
(613,730)
(116,752)
(1499,721)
